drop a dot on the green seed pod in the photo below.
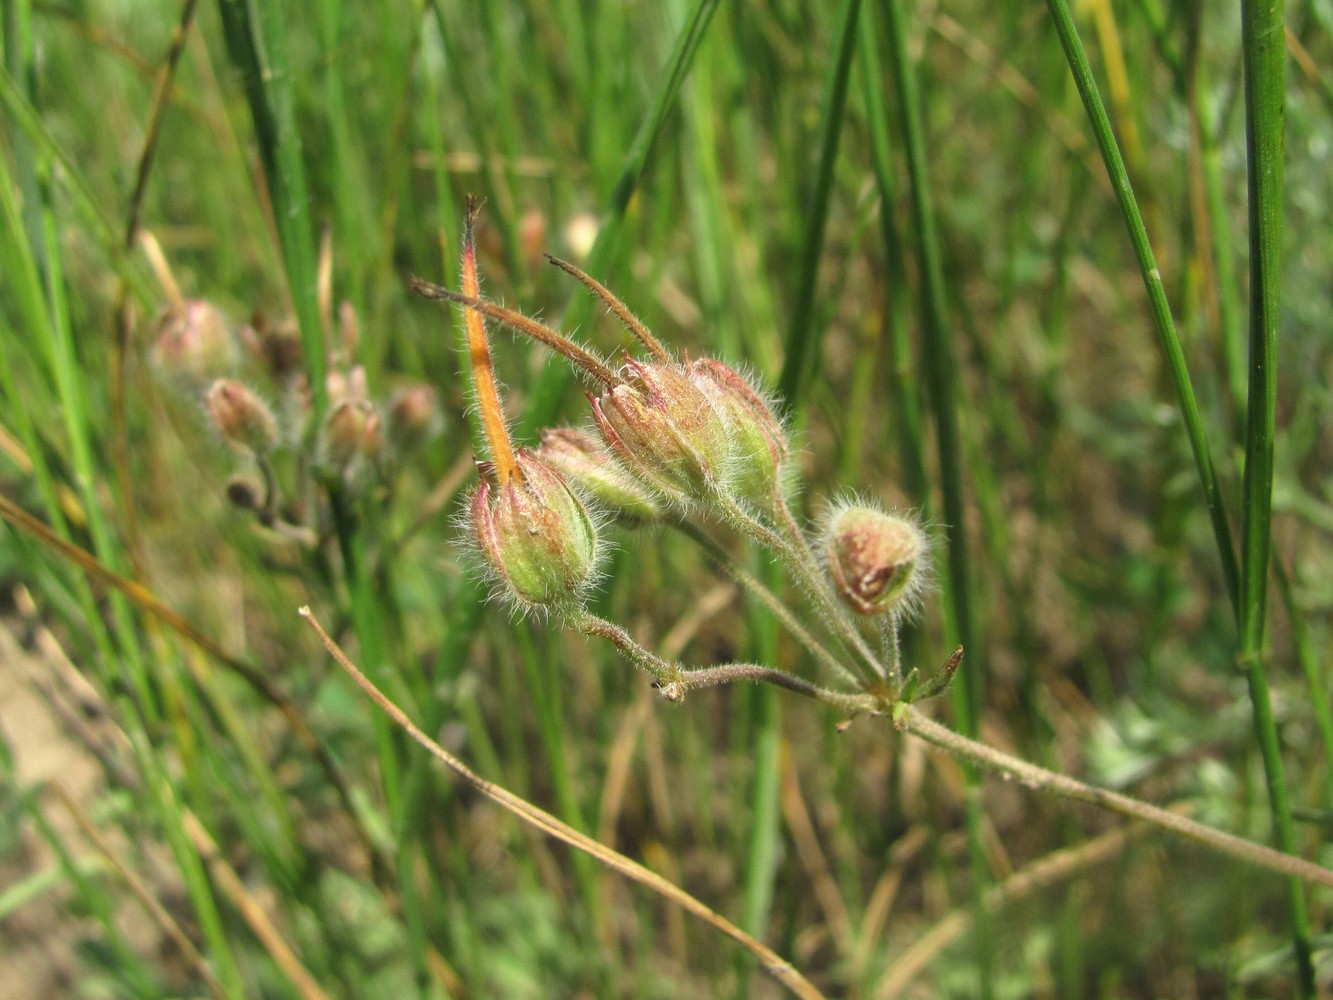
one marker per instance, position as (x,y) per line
(537,535)
(759,447)
(877,561)
(588,465)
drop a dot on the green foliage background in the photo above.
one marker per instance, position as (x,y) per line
(755,202)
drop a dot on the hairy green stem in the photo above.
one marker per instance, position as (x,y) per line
(767,598)
(800,561)
(675,680)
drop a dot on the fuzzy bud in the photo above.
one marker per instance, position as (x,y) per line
(588,465)
(759,445)
(874,559)
(665,429)
(536,534)
(241,416)
(194,343)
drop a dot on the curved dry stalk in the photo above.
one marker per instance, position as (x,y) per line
(771,962)
(910,720)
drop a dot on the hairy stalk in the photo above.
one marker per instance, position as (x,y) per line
(801,562)
(632,323)
(729,673)
(583,359)
(770,600)
(593,625)
(675,680)
(910,720)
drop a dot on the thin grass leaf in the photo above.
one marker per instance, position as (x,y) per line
(1077,59)
(1264,49)
(833,107)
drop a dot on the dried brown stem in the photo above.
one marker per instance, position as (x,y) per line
(772,963)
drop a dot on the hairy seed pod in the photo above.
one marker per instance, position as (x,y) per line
(536,534)
(352,430)
(588,465)
(759,447)
(241,417)
(874,559)
(665,429)
(194,343)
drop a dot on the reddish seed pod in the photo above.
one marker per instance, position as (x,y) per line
(536,534)
(241,417)
(665,429)
(876,560)
(194,343)
(351,430)
(414,416)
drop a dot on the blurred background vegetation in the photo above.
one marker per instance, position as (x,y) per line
(739,175)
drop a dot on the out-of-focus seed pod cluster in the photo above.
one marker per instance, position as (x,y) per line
(250,383)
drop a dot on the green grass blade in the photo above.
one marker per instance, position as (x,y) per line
(256,36)
(833,108)
(90,213)
(1077,59)
(1265,121)
(942,377)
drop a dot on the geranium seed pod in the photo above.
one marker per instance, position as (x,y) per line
(874,559)
(665,429)
(194,343)
(351,430)
(759,448)
(536,534)
(589,466)
(241,417)
(414,417)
